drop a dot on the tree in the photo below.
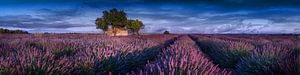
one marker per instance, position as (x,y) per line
(134,26)
(117,19)
(101,24)
(6,31)
(166,32)
(113,18)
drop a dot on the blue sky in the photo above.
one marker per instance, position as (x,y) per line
(176,16)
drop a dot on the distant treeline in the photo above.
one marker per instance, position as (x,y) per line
(6,31)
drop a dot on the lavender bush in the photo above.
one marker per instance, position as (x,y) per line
(182,57)
(225,53)
(77,54)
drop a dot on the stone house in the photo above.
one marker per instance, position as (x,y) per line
(115,31)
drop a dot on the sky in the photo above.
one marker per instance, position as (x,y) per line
(176,16)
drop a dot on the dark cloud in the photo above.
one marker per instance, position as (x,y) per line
(231,4)
(27,21)
(58,15)
(219,3)
(23,18)
(43,19)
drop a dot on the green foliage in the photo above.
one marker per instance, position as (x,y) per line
(231,58)
(224,55)
(295,51)
(135,26)
(37,45)
(256,65)
(166,32)
(63,52)
(36,71)
(110,64)
(85,68)
(101,24)
(118,19)
(6,31)
(289,66)
(4,71)
(113,17)
(2,44)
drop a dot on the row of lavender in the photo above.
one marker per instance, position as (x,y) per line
(182,57)
(251,54)
(75,53)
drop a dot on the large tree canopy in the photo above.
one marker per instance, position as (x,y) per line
(101,24)
(135,26)
(114,17)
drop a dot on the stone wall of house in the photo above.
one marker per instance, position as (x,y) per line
(119,32)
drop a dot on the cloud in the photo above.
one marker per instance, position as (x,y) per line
(230,4)
(43,20)
(223,22)
(58,14)
(27,21)
(257,21)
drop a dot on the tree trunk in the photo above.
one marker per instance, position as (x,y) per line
(114,31)
(136,32)
(104,32)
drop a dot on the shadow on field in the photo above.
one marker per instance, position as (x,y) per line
(220,53)
(131,62)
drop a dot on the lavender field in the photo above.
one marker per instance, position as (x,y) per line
(94,54)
